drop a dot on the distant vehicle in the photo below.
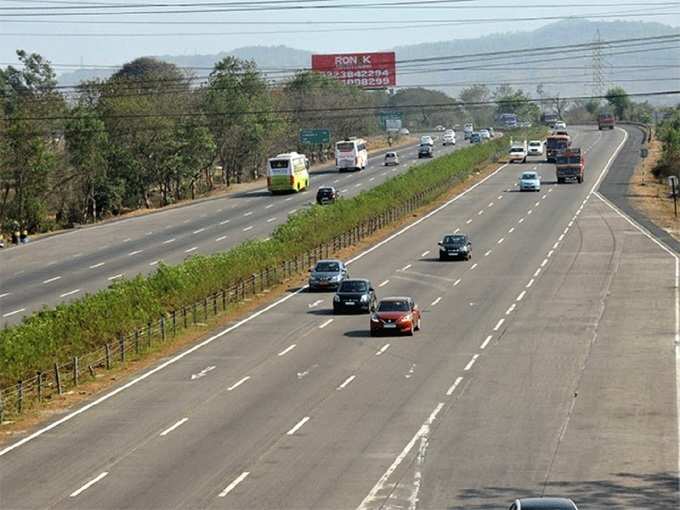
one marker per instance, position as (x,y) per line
(476,137)
(327,195)
(605,121)
(287,172)
(491,131)
(525,124)
(549,118)
(543,504)
(425,151)
(554,144)
(467,130)
(440,128)
(404,131)
(536,148)
(485,134)
(426,140)
(560,124)
(354,295)
(508,120)
(351,154)
(518,152)
(391,158)
(560,132)
(455,246)
(327,274)
(449,138)
(395,315)
(570,165)
(530,181)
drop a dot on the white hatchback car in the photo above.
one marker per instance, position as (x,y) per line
(535,148)
(484,133)
(391,158)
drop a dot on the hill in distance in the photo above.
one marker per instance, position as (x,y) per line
(568,74)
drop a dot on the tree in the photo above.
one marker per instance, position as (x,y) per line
(509,100)
(86,144)
(29,142)
(619,100)
(431,113)
(140,106)
(474,100)
(236,101)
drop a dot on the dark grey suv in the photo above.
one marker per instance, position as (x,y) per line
(356,295)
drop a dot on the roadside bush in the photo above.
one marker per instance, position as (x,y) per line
(81,326)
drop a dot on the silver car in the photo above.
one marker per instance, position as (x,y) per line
(543,504)
(327,275)
(391,158)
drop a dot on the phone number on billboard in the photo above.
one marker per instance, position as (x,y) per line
(364,73)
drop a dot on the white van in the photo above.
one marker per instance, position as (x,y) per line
(288,172)
(351,154)
(449,138)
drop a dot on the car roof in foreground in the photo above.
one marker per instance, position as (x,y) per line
(547,504)
(326,261)
(350,280)
(395,298)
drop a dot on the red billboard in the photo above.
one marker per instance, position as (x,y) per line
(365,70)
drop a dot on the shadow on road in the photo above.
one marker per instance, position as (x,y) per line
(621,491)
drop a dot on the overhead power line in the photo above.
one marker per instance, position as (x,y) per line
(449,104)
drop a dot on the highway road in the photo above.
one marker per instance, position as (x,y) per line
(66,266)
(546,365)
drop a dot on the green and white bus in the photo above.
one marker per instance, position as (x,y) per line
(288,172)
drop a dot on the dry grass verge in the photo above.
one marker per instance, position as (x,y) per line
(650,196)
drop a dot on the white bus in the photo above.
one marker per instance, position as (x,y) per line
(288,172)
(351,154)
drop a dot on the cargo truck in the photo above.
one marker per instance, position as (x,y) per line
(605,121)
(570,165)
(555,144)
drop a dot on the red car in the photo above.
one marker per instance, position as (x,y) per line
(395,315)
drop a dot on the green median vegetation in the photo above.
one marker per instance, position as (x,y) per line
(82,326)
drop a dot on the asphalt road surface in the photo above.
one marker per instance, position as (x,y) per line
(545,365)
(66,266)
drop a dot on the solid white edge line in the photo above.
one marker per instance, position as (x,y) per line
(346,382)
(423,430)
(287,350)
(676,339)
(238,383)
(9,314)
(233,484)
(173,427)
(88,484)
(238,324)
(453,387)
(298,426)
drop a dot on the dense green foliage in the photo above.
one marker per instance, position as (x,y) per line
(150,135)
(669,134)
(81,326)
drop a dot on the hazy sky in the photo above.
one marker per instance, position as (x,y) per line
(22,29)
